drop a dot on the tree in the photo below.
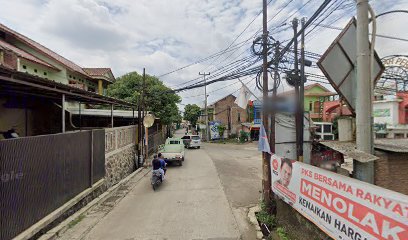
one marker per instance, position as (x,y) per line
(221,130)
(158,99)
(192,113)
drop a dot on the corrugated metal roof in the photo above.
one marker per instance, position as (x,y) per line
(392,145)
(349,149)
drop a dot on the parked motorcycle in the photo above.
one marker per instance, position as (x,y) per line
(156,180)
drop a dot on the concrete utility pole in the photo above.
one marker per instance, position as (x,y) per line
(301,91)
(274,92)
(139,130)
(144,137)
(299,128)
(266,183)
(363,171)
(207,132)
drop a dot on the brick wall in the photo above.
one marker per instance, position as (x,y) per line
(225,107)
(391,171)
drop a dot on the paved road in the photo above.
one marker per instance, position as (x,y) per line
(195,202)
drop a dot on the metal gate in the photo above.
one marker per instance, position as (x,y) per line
(40,174)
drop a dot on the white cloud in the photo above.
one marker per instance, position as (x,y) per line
(164,35)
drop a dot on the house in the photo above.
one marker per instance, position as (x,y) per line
(391,116)
(315,96)
(20,53)
(226,112)
(35,113)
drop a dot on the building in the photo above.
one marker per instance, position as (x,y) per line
(391,116)
(27,110)
(228,113)
(333,109)
(20,53)
(315,96)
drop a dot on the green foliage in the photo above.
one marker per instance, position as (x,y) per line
(221,130)
(192,113)
(76,221)
(243,136)
(281,231)
(265,217)
(158,99)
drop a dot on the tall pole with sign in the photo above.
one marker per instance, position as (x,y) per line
(363,171)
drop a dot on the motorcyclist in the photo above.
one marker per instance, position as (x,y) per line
(162,162)
(157,166)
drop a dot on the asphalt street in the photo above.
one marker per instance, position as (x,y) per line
(206,198)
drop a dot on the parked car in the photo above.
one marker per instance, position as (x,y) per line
(191,141)
(173,150)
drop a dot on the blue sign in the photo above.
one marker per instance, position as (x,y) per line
(257,112)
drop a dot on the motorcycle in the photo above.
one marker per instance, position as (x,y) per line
(156,180)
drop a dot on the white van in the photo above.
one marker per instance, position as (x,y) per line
(192,141)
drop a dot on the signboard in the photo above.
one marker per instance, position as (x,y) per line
(381,112)
(343,207)
(257,112)
(339,63)
(214,134)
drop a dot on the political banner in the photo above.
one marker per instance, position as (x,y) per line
(343,207)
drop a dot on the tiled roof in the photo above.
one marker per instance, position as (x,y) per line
(23,54)
(69,64)
(97,71)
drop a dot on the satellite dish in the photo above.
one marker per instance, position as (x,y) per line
(148,120)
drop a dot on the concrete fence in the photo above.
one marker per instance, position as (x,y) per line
(120,153)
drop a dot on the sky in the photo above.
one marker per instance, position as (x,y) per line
(164,35)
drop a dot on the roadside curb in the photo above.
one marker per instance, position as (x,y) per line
(65,225)
(252,218)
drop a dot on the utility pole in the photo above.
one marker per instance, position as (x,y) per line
(297,93)
(143,116)
(207,132)
(301,91)
(139,129)
(266,183)
(363,171)
(274,92)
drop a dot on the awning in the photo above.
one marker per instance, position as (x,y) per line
(349,150)
(104,113)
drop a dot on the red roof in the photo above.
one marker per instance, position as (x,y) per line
(67,63)
(23,54)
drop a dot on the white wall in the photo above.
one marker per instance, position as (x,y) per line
(381,108)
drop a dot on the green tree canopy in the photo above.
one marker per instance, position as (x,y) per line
(192,113)
(158,99)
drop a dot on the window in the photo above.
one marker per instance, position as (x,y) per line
(327,128)
(24,67)
(45,73)
(195,137)
(70,76)
(74,77)
(310,106)
(35,70)
(239,117)
(398,135)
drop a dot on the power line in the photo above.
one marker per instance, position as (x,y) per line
(377,35)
